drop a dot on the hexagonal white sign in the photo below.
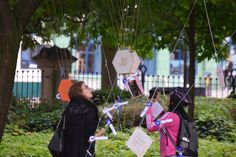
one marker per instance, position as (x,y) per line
(136,61)
(126,61)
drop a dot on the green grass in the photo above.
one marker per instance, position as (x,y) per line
(216,119)
(25,145)
(35,145)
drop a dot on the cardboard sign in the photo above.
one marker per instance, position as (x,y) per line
(139,142)
(126,61)
(64,88)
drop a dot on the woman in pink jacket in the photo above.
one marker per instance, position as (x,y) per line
(169,122)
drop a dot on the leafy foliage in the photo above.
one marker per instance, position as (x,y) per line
(37,118)
(25,145)
(138,25)
(214,118)
(104,95)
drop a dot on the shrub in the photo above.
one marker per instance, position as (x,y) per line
(214,118)
(41,117)
(104,95)
(128,116)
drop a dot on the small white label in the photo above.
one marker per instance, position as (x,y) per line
(166,121)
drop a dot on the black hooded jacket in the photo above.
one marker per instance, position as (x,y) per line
(81,123)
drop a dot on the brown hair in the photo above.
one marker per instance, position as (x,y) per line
(75,89)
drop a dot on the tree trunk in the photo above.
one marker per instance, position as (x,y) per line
(12,23)
(192,48)
(9,46)
(108,70)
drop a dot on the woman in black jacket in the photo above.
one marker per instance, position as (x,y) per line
(81,122)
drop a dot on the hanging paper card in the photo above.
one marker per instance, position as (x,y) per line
(157,109)
(139,142)
(135,87)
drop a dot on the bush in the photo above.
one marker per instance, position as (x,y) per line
(214,118)
(129,115)
(104,95)
(38,118)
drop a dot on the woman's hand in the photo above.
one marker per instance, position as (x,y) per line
(101,132)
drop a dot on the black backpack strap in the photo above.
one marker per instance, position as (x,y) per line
(62,120)
(178,150)
(168,135)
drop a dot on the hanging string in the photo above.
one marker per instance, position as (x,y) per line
(114,23)
(184,26)
(67,58)
(226,42)
(173,50)
(151,17)
(168,114)
(123,20)
(50,11)
(110,93)
(136,26)
(100,118)
(141,122)
(135,19)
(209,24)
(155,36)
(90,145)
(120,8)
(61,53)
(125,12)
(132,23)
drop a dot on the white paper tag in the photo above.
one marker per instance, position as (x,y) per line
(139,142)
(157,109)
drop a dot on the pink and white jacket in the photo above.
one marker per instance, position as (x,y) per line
(171,122)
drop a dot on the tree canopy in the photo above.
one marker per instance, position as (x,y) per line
(140,25)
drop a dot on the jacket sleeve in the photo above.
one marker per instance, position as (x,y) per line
(90,123)
(166,121)
(151,126)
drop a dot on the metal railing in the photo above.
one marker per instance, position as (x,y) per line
(28,84)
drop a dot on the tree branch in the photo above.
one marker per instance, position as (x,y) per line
(25,9)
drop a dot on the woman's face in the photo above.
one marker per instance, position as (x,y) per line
(167,103)
(157,97)
(86,92)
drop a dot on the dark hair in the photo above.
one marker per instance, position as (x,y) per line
(178,110)
(155,90)
(180,97)
(75,89)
